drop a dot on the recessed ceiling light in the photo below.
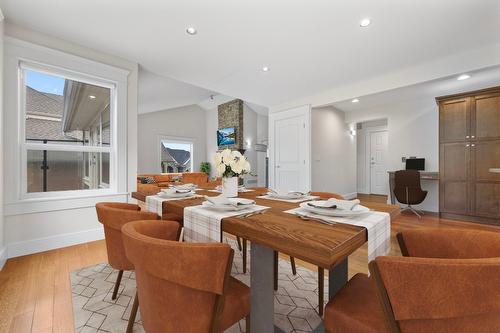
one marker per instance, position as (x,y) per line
(191,31)
(91,96)
(463,77)
(355,100)
(365,22)
(265,69)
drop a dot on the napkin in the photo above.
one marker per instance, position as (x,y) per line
(188,186)
(323,204)
(174,190)
(290,194)
(222,200)
(340,204)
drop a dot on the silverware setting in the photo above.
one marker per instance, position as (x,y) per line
(252,213)
(306,217)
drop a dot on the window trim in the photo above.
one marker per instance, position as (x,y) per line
(175,139)
(24,146)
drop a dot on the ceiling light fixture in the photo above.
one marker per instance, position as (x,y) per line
(191,31)
(365,22)
(91,96)
(355,100)
(463,77)
(265,69)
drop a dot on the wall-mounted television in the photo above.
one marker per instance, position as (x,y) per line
(226,136)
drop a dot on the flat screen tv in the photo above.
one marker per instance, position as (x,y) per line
(226,136)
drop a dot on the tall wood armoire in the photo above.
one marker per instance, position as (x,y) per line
(469,148)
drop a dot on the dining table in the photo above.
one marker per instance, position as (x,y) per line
(275,230)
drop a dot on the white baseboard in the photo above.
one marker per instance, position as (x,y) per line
(349,196)
(3,256)
(53,242)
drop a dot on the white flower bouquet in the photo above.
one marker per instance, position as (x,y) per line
(231,164)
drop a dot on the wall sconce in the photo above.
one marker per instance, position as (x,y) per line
(352,132)
(248,144)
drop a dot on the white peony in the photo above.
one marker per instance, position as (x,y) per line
(217,159)
(236,166)
(227,156)
(236,154)
(221,168)
(246,167)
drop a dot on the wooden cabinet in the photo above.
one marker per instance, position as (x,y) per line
(469,146)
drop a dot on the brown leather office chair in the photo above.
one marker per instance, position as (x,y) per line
(407,189)
(183,287)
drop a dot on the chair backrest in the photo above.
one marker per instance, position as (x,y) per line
(449,243)
(407,188)
(113,215)
(180,285)
(422,295)
(327,195)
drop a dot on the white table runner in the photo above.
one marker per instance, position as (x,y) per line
(306,198)
(202,225)
(378,225)
(154,203)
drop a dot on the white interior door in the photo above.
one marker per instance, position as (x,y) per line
(378,163)
(290,149)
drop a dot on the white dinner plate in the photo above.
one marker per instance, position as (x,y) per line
(175,195)
(357,210)
(225,208)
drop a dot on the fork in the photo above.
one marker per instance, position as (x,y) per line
(252,213)
(312,218)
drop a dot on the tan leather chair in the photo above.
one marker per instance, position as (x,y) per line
(422,295)
(356,308)
(184,287)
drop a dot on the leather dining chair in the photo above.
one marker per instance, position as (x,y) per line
(184,287)
(113,215)
(408,190)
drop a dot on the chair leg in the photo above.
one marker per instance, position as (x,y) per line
(321,290)
(117,284)
(244,256)
(414,211)
(238,240)
(294,268)
(133,314)
(247,324)
(275,270)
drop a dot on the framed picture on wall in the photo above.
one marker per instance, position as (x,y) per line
(226,136)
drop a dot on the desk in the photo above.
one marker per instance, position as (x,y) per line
(424,175)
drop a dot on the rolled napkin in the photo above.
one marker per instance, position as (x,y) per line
(339,204)
(323,204)
(187,186)
(289,194)
(174,190)
(241,188)
(222,200)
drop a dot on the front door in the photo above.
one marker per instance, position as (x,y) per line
(378,163)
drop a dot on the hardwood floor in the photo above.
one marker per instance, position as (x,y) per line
(35,292)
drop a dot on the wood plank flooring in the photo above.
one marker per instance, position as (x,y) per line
(35,292)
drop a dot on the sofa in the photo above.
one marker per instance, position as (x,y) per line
(152,183)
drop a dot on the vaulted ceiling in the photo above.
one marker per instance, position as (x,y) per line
(309,46)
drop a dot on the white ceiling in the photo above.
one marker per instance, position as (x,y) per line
(162,93)
(424,92)
(310,46)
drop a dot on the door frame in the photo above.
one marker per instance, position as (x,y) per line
(368,152)
(284,114)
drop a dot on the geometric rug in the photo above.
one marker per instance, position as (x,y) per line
(295,301)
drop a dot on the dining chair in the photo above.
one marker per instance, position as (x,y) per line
(449,243)
(421,295)
(408,190)
(184,287)
(113,215)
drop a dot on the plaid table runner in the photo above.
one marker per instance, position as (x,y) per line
(202,225)
(154,203)
(306,198)
(378,225)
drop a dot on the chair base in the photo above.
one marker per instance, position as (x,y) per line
(419,213)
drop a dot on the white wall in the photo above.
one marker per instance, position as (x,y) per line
(333,153)
(363,176)
(39,225)
(188,122)
(412,131)
(3,250)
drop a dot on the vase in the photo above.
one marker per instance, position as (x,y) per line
(230,187)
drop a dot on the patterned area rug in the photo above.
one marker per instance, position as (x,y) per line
(295,301)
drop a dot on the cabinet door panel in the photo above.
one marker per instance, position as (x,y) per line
(454,161)
(485,155)
(487,117)
(454,197)
(454,120)
(454,178)
(487,201)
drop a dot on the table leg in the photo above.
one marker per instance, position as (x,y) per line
(337,278)
(261,289)
(392,184)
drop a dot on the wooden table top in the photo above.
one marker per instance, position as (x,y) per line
(314,242)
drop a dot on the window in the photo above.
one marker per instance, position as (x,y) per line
(68,129)
(176,156)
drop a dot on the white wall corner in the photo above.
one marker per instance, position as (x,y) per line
(53,242)
(3,256)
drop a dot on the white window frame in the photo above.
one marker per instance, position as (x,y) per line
(175,139)
(24,146)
